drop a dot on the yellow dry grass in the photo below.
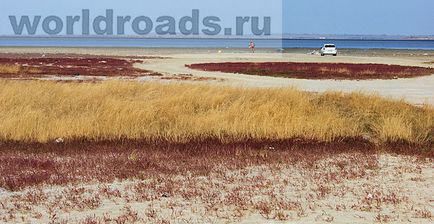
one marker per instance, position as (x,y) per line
(40,111)
(9,69)
(334,70)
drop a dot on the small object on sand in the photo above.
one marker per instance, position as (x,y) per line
(165,195)
(3,191)
(59,140)
(220,51)
(325,217)
(328,218)
(367,137)
(359,216)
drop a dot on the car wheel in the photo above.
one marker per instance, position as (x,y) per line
(322,54)
(335,55)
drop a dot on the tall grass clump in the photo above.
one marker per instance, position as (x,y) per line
(13,70)
(9,69)
(37,111)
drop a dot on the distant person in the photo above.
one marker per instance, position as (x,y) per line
(252,46)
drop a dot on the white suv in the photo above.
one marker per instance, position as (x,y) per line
(329,49)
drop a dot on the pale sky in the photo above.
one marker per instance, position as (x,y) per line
(377,17)
(366,17)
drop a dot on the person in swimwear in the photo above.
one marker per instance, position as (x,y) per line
(252,46)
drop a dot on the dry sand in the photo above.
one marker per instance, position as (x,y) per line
(337,189)
(415,90)
(342,188)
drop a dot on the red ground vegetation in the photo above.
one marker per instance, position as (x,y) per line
(37,65)
(26,164)
(161,183)
(340,71)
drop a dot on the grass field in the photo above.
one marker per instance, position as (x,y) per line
(88,150)
(131,152)
(36,111)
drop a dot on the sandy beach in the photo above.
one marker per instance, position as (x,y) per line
(217,112)
(300,163)
(414,90)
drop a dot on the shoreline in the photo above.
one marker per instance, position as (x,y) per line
(124,51)
(214,48)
